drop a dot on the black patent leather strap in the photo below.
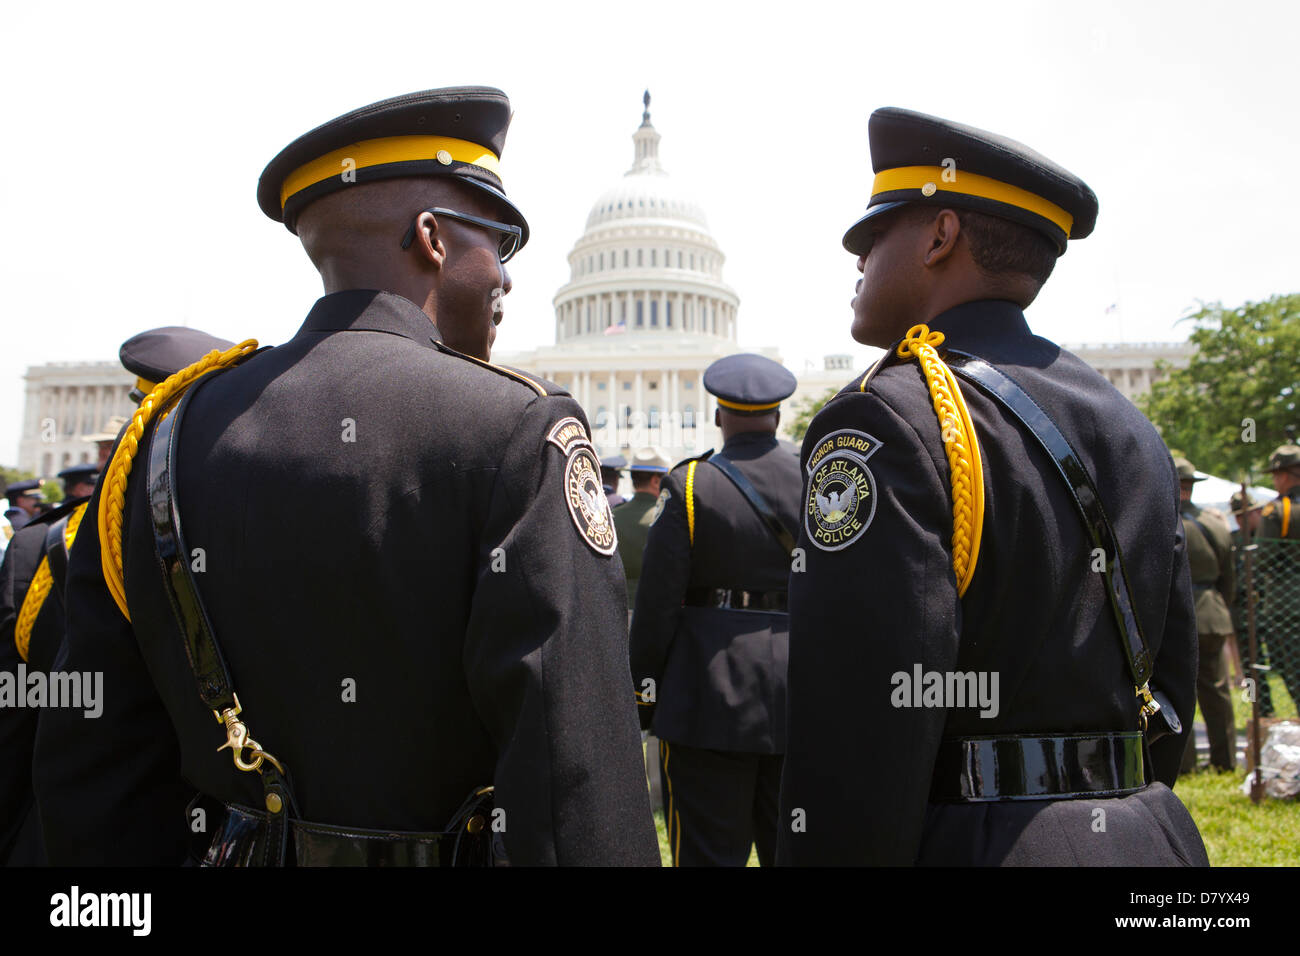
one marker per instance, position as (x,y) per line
(756,501)
(737,599)
(1058,767)
(201,650)
(1002,388)
(56,553)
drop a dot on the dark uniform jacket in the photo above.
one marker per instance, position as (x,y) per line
(859,767)
(19,826)
(719,674)
(632,519)
(406,616)
(1280,518)
(1214,573)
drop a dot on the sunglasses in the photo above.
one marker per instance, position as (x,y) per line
(508,236)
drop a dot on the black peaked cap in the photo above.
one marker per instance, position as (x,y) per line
(749,384)
(160,353)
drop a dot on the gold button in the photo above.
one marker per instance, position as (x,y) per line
(444,157)
(929,189)
(274,803)
(475,824)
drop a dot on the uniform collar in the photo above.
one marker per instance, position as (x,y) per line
(972,324)
(748,439)
(369,310)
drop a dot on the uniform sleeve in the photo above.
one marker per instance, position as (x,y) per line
(546,659)
(108,780)
(665,573)
(17,725)
(1174,668)
(870,604)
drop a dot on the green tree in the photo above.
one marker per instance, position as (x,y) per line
(806,410)
(1236,399)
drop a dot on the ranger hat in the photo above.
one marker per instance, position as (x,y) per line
(924,159)
(749,384)
(77,474)
(160,353)
(112,428)
(459,131)
(1186,471)
(1284,457)
(651,460)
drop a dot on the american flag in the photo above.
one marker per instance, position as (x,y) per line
(616,329)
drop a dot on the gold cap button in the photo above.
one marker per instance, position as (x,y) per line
(929,189)
(444,157)
(475,823)
(274,803)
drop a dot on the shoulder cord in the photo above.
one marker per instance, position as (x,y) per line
(690,500)
(113,493)
(39,589)
(965,469)
(1286,516)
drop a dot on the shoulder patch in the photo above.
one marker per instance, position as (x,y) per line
(567,434)
(841,489)
(585,497)
(664,495)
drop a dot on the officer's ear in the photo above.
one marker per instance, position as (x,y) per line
(428,244)
(717,418)
(941,237)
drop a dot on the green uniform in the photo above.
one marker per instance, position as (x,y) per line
(1279,598)
(1214,584)
(632,522)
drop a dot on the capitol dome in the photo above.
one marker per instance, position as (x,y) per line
(646,265)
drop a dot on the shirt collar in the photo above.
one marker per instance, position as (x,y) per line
(369,310)
(971,324)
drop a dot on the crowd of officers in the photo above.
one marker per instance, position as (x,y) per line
(399,577)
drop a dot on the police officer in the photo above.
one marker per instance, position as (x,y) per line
(387,564)
(1214,586)
(611,469)
(709,631)
(24,502)
(32,583)
(1279,563)
(960,690)
(1247,515)
(632,520)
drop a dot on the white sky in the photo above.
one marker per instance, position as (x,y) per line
(134,135)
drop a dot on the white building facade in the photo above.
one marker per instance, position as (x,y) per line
(644,313)
(66,402)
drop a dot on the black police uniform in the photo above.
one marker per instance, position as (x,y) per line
(710,630)
(24,651)
(17,517)
(876,769)
(410,569)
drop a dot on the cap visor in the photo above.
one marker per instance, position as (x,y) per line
(855,240)
(512,213)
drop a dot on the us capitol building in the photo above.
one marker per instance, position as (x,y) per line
(644,313)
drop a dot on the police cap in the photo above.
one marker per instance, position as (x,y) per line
(160,353)
(613,463)
(925,159)
(18,488)
(749,384)
(459,131)
(1284,457)
(1187,471)
(78,474)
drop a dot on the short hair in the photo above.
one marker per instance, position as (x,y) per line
(1000,246)
(643,479)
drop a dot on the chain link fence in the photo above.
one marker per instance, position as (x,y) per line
(1268,584)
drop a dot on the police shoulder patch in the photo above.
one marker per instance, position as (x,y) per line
(567,434)
(664,495)
(585,496)
(841,489)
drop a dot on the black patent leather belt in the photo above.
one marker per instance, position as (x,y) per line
(1056,767)
(737,599)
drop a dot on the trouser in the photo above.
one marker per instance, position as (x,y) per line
(717,804)
(1214,694)
(1260,677)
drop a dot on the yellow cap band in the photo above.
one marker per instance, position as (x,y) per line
(970,184)
(388,149)
(746,408)
(145,386)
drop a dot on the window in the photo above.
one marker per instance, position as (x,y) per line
(624,258)
(602,416)
(689,383)
(692,260)
(679,258)
(638,257)
(640,314)
(627,387)
(668,313)
(654,257)
(600,387)
(602,260)
(688,414)
(653,421)
(654,313)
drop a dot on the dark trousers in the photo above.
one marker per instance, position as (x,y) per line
(1214,695)
(717,804)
